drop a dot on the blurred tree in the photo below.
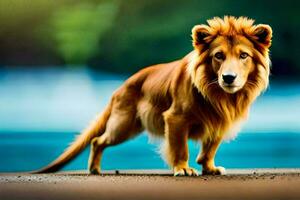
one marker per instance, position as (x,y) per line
(124,36)
(77,29)
(20,33)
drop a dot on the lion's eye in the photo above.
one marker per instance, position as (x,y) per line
(243,55)
(219,56)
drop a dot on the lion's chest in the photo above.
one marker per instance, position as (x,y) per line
(209,123)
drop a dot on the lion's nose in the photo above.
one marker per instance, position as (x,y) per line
(229,78)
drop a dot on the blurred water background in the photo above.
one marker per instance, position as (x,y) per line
(60,61)
(42,110)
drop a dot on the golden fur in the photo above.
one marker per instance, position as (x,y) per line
(187,98)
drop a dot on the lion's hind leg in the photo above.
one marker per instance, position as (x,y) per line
(121,126)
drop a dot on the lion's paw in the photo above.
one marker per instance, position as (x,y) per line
(214,171)
(185,171)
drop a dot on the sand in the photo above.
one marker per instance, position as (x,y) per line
(152,184)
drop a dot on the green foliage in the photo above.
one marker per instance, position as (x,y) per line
(77,29)
(126,35)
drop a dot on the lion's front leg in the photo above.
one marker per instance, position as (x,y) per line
(207,158)
(176,133)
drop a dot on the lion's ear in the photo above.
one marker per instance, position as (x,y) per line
(200,35)
(262,34)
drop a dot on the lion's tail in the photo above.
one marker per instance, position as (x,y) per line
(95,129)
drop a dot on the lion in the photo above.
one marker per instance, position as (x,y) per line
(204,96)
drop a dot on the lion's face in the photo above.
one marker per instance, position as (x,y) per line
(231,61)
(232,53)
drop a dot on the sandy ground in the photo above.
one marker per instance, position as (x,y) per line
(143,184)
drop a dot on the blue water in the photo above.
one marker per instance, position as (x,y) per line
(42,110)
(29,151)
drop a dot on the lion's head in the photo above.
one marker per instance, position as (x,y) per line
(231,56)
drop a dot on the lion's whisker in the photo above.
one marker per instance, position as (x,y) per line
(212,82)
